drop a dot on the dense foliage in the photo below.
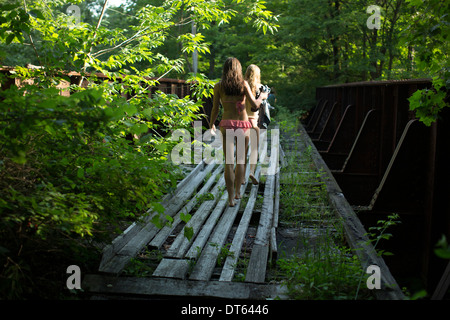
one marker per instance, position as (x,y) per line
(325,42)
(80,160)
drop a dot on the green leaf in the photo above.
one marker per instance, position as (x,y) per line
(158,207)
(20,158)
(443,249)
(80,173)
(185,217)
(10,38)
(442,253)
(139,128)
(169,219)
(188,232)
(130,109)
(157,221)
(38,14)
(419,295)
(148,113)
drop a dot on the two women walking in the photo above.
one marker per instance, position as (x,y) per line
(240,114)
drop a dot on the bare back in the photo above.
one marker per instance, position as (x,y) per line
(230,104)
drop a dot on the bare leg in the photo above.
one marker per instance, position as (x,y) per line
(240,167)
(245,161)
(229,170)
(245,165)
(230,181)
(254,136)
(239,177)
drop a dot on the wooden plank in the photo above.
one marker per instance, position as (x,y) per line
(276,209)
(276,204)
(120,241)
(118,261)
(236,246)
(205,265)
(199,167)
(260,251)
(181,243)
(443,285)
(265,221)
(110,250)
(172,268)
(207,261)
(162,236)
(191,187)
(256,270)
(115,256)
(167,287)
(207,228)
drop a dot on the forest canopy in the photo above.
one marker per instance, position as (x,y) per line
(73,167)
(298,44)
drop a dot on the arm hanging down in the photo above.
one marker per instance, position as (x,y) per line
(215,108)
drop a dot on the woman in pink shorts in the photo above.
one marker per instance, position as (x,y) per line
(232,92)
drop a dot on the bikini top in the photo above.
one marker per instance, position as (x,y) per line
(239,105)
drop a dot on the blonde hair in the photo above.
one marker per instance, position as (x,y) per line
(253,76)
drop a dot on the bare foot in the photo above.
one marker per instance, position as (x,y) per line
(243,182)
(232,203)
(254,180)
(237,196)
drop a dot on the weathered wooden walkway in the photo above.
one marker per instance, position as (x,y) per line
(191,267)
(210,263)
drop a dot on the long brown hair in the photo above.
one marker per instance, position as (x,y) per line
(232,79)
(253,77)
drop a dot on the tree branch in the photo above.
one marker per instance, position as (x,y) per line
(99,53)
(31,38)
(93,39)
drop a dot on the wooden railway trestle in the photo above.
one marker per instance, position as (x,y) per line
(215,219)
(187,266)
(175,276)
